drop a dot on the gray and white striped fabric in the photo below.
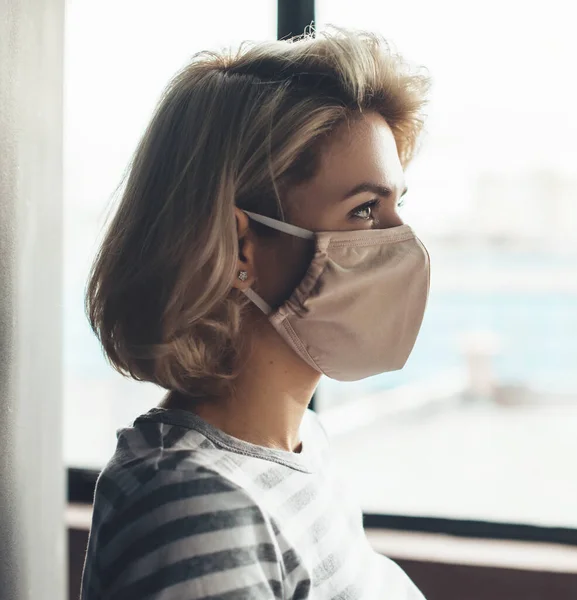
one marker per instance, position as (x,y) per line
(183,511)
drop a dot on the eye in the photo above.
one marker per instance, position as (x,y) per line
(365,211)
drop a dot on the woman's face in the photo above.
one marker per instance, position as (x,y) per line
(364,153)
(359,185)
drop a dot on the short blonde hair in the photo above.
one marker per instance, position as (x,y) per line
(232,128)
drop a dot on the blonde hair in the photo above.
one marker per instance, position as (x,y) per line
(232,128)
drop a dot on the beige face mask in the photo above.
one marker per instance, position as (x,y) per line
(359,307)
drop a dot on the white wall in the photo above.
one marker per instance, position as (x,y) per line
(32,477)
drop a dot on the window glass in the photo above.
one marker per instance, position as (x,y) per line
(482,421)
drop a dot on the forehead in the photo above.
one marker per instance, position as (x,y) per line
(362,150)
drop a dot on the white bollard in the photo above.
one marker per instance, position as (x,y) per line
(479,349)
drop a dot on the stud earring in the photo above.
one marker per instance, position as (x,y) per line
(243,275)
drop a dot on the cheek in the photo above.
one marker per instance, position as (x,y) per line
(297,257)
(281,266)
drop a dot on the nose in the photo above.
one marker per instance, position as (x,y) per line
(390,218)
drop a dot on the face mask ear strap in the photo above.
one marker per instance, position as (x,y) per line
(282,226)
(257,301)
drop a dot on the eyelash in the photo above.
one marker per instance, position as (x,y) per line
(372,204)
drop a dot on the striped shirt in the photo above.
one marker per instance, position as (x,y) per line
(183,511)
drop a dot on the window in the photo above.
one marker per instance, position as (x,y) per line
(119,56)
(481,422)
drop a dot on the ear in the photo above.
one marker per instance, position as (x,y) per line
(245,269)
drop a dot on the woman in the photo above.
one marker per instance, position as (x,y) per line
(256,246)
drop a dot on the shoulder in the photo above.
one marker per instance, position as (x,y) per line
(148,455)
(192,523)
(190,491)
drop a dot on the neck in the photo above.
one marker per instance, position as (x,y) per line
(269,399)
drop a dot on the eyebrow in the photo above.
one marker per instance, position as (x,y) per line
(375,188)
